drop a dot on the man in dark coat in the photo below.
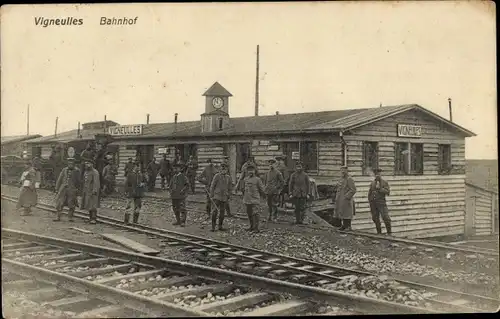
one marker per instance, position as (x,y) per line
(283,169)
(134,186)
(90,191)
(67,186)
(344,201)
(152,170)
(379,189)
(244,172)
(220,191)
(206,177)
(192,167)
(165,171)
(109,175)
(253,190)
(129,167)
(298,189)
(30,182)
(179,186)
(273,181)
(88,154)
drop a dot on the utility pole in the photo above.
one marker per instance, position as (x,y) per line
(257,85)
(105,124)
(449,106)
(55,131)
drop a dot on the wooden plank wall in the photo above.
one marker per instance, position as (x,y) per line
(330,157)
(262,155)
(482,210)
(123,156)
(206,151)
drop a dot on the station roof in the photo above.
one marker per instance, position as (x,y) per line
(69,136)
(17,138)
(312,122)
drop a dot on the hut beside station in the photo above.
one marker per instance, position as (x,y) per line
(422,154)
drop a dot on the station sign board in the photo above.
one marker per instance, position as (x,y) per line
(296,155)
(163,150)
(407,130)
(125,130)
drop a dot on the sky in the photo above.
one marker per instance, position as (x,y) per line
(313,57)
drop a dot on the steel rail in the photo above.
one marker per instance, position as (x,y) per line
(307,292)
(286,261)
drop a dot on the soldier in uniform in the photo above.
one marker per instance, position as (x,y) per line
(206,178)
(152,170)
(67,187)
(244,172)
(165,171)
(30,182)
(298,189)
(225,160)
(220,191)
(344,202)
(129,167)
(274,183)
(191,168)
(379,189)
(253,189)
(179,186)
(87,155)
(135,191)
(109,175)
(90,192)
(286,177)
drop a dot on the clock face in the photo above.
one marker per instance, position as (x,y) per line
(218,102)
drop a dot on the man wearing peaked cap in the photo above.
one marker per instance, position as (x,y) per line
(283,169)
(379,189)
(253,188)
(299,189)
(179,186)
(90,190)
(220,192)
(274,183)
(344,201)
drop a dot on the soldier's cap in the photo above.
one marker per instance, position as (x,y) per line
(130,158)
(377,170)
(209,160)
(223,165)
(280,157)
(70,159)
(90,161)
(298,163)
(272,161)
(251,166)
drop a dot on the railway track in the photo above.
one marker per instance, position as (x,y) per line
(295,270)
(92,281)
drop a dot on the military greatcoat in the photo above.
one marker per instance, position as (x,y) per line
(90,192)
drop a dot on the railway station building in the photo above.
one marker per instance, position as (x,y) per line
(422,154)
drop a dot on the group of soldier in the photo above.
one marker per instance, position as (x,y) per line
(276,185)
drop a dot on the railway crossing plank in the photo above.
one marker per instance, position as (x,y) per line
(288,308)
(67,301)
(132,245)
(86,262)
(81,230)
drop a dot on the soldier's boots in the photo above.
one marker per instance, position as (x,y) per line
(388,228)
(58,216)
(346,225)
(136,218)
(126,218)
(71,212)
(26,211)
(221,222)
(177,219)
(251,221)
(183,219)
(255,219)
(93,217)
(379,227)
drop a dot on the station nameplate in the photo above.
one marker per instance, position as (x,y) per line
(296,155)
(406,130)
(123,130)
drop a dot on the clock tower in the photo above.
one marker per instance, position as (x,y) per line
(216,116)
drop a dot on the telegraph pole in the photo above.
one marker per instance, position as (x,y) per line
(257,85)
(28,121)
(55,131)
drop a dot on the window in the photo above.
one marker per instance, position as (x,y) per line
(220,122)
(409,158)
(243,151)
(444,158)
(309,156)
(308,152)
(370,157)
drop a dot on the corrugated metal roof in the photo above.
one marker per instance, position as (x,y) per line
(17,138)
(217,90)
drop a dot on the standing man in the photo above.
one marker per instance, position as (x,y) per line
(344,202)
(179,186)
(225,160)
(244,172)
(67,187)
(165,171)
(129,167)
(253,189)
(90,192)
(220,191)
(30,182)
(206,177)
(109,174)
(152,170)
(299,192)
(274,184)
(192,167)
(135,191)
(379,189)
(286,176)
(87,155)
